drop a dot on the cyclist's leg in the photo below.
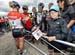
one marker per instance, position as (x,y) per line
(21,44)
(17,42)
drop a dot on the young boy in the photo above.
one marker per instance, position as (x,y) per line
(57,27)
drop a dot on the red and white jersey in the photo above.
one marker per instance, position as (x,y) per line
(15,19)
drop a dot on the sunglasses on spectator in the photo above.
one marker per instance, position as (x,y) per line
(25,9)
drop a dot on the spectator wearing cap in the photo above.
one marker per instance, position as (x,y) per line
(57,29)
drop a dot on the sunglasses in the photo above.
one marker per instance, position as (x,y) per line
(25,9)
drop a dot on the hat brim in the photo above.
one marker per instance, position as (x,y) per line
(53,10)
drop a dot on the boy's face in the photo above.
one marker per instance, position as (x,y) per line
(54,14)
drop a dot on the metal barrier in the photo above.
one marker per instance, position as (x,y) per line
(36,48)
(66,43)
(54,47)
(59,41)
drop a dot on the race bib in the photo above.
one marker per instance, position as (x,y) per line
(12,23)
(15,23)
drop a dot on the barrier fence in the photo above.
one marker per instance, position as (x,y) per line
(59,41)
